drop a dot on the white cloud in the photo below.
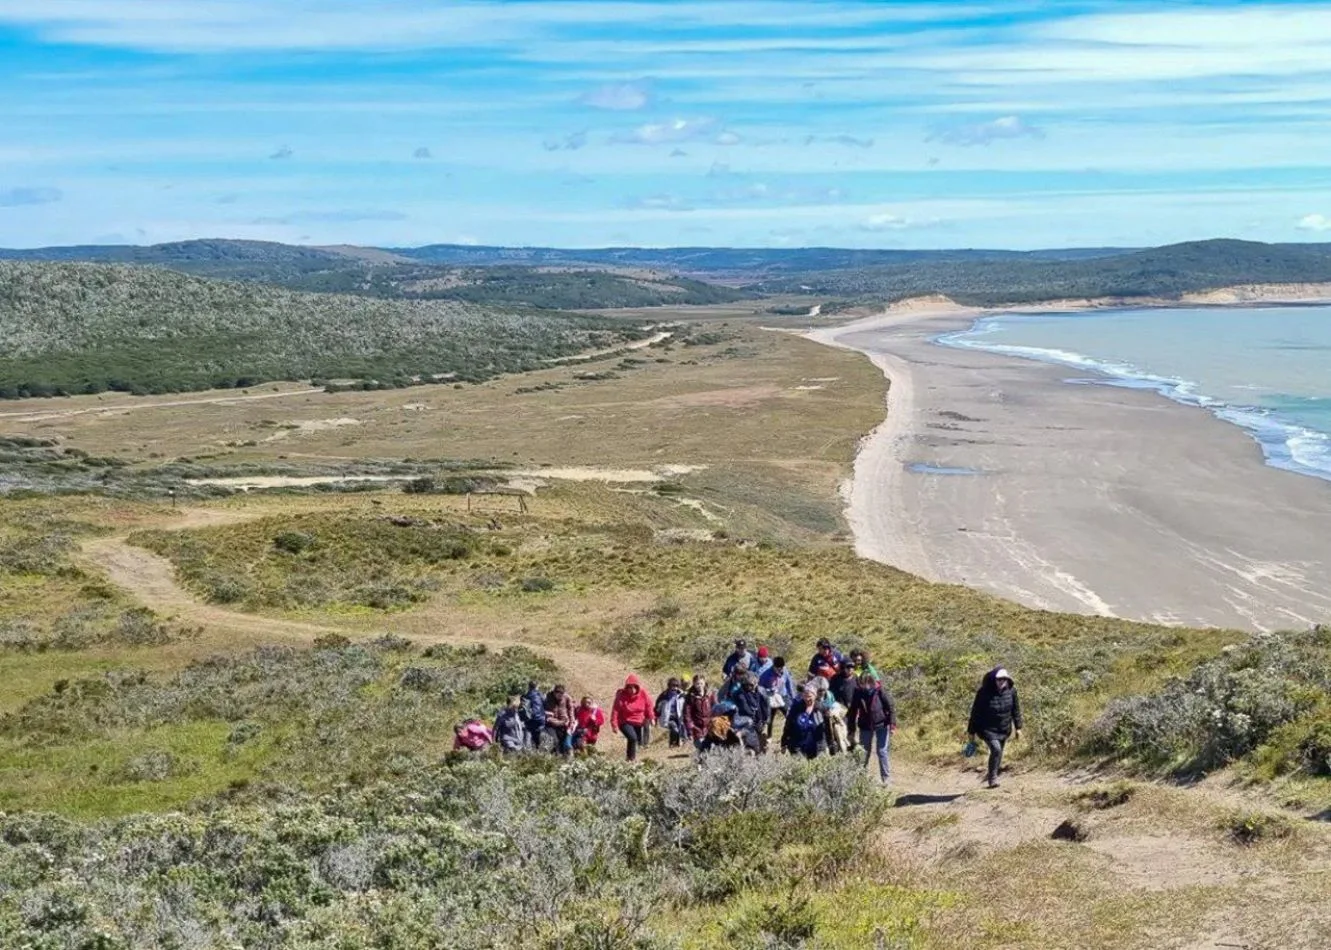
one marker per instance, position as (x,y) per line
(1314,222)
(665,133)
(619,97)
(236,25)
(986,133)
(26,195)
(885,221)
(728,138)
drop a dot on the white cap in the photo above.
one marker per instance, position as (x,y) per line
(1002,674)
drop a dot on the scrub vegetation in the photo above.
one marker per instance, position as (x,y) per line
(87,328)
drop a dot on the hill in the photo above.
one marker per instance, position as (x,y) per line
(86,328)
(392,275)
(1165,272)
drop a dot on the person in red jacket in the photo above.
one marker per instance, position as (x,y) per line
(632,713)
(590,718)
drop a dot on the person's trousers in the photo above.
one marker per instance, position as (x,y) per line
(771,720)
(635,734)
(561,740)
(995,744)
(883,736)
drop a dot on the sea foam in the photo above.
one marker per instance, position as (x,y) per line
(1285,444)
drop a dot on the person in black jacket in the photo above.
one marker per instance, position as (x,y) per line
(842,687)
(876,715)
(751,703)
(995,713)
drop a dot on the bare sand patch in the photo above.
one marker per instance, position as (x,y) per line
(623,476)
(256,482)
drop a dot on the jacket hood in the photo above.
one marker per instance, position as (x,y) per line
(632,680)
(997,673)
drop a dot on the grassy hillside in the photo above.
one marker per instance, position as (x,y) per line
(375,273)
(84,328)
(540,288)
(1160,272)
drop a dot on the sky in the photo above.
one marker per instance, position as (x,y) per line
(584,123)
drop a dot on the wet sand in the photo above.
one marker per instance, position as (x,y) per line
(994,472)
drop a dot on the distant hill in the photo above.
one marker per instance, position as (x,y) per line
(86,328)
(384,273)
(1165,272)
(609,278)
(723,262)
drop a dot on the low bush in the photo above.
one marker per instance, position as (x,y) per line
(473,855)
(1224,709)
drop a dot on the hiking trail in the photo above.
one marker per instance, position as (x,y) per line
(941,812)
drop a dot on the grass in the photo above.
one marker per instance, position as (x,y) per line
(343,759)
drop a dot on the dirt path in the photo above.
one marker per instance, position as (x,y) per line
(151,580)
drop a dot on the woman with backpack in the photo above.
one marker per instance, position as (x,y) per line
(806,727)
(995,716)
(632,714)
(876,715)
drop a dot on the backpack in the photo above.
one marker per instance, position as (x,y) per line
(533,708)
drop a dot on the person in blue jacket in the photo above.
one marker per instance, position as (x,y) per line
(739,654)
(779,686)
(533,714)
(805,732)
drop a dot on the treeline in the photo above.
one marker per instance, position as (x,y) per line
(83,328)
(1166,272)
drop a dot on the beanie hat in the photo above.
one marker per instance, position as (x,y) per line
(762,653)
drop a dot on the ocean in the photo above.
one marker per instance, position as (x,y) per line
(1265,369)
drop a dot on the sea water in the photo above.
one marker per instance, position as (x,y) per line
(1265,369)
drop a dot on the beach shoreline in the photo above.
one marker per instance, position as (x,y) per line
(1091,499)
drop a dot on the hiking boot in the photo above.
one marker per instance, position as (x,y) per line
(992,783)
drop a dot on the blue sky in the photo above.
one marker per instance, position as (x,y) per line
(718,122)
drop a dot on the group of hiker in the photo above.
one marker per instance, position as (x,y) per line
(840,705)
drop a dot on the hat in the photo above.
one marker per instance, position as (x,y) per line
(762,653)
(1002,674)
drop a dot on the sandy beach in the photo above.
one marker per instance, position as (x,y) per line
(993,472)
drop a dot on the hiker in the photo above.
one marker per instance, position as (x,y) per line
(739,655)
(804,733)
(632,714)
(471,736)
(764,662)
(752,704)
(859,661)
(780,688)
(825,660)
(533,714)
(670,711)
(842,686)
(560,720)
(995,714)
(589,718)
(698,711)
(734,683)
(510,731)
(720,728)
(834,718)
(876,715)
